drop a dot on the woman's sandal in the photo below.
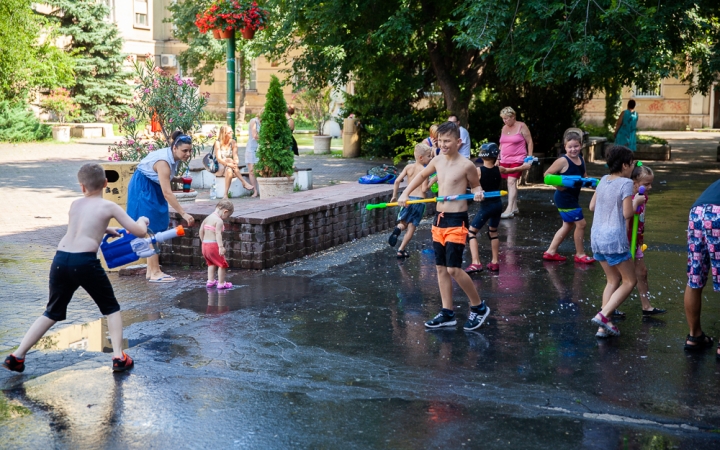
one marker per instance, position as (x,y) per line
(603,321)
(402,254)
(702,342)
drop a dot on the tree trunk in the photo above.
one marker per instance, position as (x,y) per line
(449,77)
(241,97)
(613,102)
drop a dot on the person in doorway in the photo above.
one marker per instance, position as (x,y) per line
(464,149)
(225,150)
(149,193)
(291,124)
(703,247)
(455,175)
(251,149)
(76,265)
(626,127)
(515,144)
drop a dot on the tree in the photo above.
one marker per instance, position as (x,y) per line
(275,156)
(100,79)
(205,53)
(26,61)
(451,44)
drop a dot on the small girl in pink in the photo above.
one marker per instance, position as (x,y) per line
(212,244)
(515,144)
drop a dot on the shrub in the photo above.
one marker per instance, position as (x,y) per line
(60,104)
(19,124)
(275,156)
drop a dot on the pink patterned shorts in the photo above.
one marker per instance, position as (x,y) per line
(704,246)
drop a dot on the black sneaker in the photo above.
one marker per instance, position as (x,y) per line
(476,319)
(441,320)
(392,240)
(121,365)
(14,364)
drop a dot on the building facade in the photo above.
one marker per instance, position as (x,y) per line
(142,27)
(666,106)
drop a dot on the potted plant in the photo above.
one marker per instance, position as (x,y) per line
(223,17)
(316,106)
(62,106)
(274,168)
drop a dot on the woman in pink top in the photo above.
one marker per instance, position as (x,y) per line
(515,144)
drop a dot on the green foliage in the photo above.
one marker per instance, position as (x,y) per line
(100,88)
(315,104)
(204,53)
(173,102)
(647,139)
(19,124)
(275,156)
(26,61)
(60,104)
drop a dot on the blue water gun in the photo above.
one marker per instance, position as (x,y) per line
(570,181)
(128,248)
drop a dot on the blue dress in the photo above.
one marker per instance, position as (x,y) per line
(626,133)
(145,196)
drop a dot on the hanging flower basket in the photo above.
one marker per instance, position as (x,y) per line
(232,14)
(248,33)
(227,33)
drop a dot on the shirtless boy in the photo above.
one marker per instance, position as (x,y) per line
(410,217)
(455,174)
(76,265)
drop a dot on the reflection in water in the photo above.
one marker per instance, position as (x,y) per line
(217,302)
(92,336)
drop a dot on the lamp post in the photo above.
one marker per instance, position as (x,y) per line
(231,82)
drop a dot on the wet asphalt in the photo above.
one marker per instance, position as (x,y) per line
(330,351)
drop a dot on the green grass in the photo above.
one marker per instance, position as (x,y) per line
(10,411)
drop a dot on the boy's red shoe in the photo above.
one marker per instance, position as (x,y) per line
(492,267)
(553,257)
(14,364)
(122,364)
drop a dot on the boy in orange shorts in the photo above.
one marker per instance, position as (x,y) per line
(455,175)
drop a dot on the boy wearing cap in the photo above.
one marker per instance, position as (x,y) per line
(490,208)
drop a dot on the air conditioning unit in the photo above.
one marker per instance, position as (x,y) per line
(168,61)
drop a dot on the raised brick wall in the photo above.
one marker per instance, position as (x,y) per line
(263,233)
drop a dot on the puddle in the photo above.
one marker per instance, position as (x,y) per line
(93,336)
(250,292)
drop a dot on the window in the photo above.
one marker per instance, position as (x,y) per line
(652,91)
(141,14)
(111,6)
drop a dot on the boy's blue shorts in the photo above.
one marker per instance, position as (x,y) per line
(613,259)
(412,213)
(571,215)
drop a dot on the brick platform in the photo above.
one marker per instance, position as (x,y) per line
(273,231)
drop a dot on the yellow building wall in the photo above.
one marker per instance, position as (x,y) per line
(674,109)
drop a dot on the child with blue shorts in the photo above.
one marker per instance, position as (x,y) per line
(409,217)
(613,204)
(567,201)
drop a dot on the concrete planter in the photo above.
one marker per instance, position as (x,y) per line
(186,197)
(275,186)
(61,133)
(321,144)
(653,152)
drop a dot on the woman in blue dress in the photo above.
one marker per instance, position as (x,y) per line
(149,193)
(626,127)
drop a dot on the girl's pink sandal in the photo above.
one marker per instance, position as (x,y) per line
(211,283)
(603,322)
(226,285)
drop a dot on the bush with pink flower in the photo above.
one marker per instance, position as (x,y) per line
(170,102)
